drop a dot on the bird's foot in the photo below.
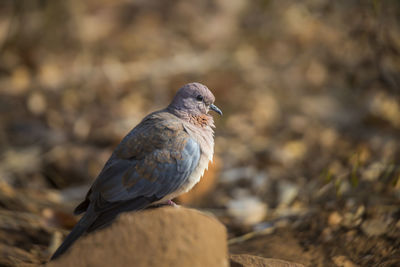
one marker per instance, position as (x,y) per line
(169,202)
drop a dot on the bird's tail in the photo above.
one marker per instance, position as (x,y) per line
(78,230)
(107,217)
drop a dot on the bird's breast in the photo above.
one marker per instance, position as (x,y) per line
(196,175)
(204,137)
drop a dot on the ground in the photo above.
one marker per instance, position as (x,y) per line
(307,152)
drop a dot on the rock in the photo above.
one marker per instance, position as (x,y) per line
(157,237)
(375,227)
(247,210)
(244,260)
(292,151)
(234,175)
(334,219)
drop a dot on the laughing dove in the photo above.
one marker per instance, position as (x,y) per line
(164,156)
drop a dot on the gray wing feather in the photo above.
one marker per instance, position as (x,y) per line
(166,177)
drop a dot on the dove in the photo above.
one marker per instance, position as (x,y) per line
(164,156)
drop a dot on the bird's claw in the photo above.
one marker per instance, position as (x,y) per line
(169,202)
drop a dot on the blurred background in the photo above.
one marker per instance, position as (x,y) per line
(307,164)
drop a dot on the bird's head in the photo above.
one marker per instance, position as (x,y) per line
(194,99)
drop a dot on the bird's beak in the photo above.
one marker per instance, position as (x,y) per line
(216,109)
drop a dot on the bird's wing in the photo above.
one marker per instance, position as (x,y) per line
(152,161)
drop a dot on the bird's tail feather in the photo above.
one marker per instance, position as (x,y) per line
(107,217)
(78,230)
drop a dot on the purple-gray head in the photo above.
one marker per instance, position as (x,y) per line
(194,99)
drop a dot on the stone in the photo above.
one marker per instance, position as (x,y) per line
(375,227)
(247,210)
(164,236)
(334,219)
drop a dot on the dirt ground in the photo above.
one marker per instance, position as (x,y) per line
(307,161)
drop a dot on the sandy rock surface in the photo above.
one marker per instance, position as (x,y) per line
(158,237)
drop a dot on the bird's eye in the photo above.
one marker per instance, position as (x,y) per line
(199,98)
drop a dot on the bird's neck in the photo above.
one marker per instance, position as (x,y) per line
(202,121)
(198,120)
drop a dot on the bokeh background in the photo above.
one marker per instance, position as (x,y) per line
(307,164)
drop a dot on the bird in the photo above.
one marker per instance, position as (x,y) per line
(164,156)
